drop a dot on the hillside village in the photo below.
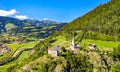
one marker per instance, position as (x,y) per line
(89,43)
(55,51)
(4,49)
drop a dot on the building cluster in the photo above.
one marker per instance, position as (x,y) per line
(56,50)
(4,49)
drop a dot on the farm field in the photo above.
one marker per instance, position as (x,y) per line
(15,48)
(22,46)
(24,55)
(102,45)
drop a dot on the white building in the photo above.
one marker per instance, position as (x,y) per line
(74,47)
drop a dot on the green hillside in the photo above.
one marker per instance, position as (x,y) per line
(28,28)
(14,30)
(104,19)
(99,28)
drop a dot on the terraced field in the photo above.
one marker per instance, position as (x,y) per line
(19,52)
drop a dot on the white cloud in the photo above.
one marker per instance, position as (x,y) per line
(13,13)
(8,13)
(21,17)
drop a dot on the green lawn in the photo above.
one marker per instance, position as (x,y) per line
(50,27)
(61,41)
(14,47)
(102,45)
(25,54)
(23,45)
(4,55)
(19,60)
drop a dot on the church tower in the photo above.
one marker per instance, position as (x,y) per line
(73,44)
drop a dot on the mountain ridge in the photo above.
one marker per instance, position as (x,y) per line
(30,28)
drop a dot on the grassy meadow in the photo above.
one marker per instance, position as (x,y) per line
(102,45)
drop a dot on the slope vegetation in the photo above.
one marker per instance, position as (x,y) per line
(103,19)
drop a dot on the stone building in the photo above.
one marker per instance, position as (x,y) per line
(54,51)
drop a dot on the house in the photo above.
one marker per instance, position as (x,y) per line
(92,46)
(54,51)
(74,47)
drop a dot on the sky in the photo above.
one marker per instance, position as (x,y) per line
(56,10)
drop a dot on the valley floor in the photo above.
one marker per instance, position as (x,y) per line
(96,59)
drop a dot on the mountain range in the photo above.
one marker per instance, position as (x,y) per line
(5,20)
(29,27)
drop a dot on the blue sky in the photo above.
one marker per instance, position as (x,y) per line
(58,10)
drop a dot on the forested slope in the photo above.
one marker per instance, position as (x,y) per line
(104,19)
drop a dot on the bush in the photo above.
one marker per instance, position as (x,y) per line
(115,68)
(116,52)
(78,63)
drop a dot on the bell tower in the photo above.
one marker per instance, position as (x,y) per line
(73,42)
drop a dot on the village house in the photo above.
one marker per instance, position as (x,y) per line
(92,46)
(54,51)
(74,47)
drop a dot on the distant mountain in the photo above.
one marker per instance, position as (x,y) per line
(41,23)
(29,27)
(5,20)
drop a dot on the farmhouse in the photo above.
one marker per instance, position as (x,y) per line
(54,51)
(92,46)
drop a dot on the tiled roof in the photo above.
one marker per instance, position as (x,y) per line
(54,48)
